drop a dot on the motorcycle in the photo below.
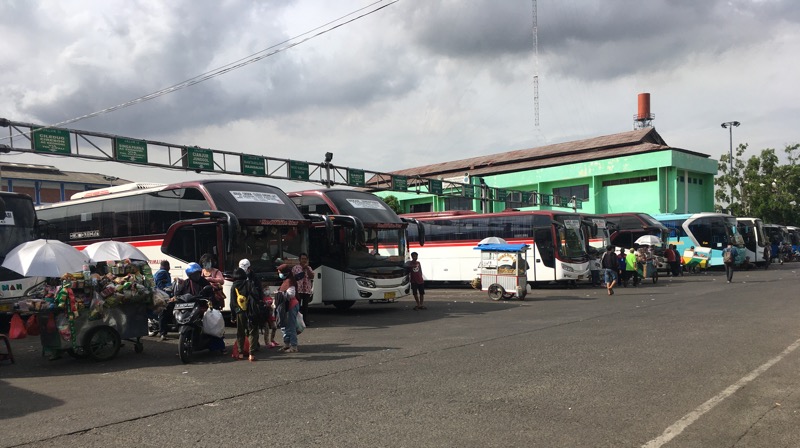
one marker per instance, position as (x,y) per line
(189,311)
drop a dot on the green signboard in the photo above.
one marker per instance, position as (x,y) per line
(253,165)
(130,150)
(54,141)
(199,158)
(399,183)
(355,178)
(435,187)
(298,170)
(469,191)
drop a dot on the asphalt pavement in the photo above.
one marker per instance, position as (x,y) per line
(687,362)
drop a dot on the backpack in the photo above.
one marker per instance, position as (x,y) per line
(727,256)
(257,310)
(281,302)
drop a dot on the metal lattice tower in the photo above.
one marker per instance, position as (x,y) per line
(536,64)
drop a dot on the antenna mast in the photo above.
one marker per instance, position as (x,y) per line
(536,64)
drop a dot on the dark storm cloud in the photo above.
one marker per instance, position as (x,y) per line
(195,41)
(597,39)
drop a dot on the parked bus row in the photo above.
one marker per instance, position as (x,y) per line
(356,244)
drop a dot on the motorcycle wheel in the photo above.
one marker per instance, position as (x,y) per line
(185,346)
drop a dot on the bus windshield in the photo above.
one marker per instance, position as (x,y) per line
(18,224)
(383,249)
(570,238)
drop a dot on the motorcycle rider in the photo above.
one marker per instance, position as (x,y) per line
(193,285)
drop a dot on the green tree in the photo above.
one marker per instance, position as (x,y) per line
(393,203)
(762,187)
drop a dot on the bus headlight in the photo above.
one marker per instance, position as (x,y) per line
(365,282)
(567,267)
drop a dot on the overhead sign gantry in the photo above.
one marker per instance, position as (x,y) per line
(39,139)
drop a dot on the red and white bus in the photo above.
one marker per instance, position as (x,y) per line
(357,246)
(558,246)
(179,222)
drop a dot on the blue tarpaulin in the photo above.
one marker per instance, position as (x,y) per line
(502,247)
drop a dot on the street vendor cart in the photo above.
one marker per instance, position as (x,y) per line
(89,316)
(503,270)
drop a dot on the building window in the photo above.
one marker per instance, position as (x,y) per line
(457,203)
(631,180)
(419,208)
(579,191)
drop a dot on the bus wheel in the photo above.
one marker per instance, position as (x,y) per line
(496,292)
(344,304)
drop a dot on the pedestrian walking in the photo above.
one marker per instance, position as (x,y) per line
(729,259)
(610,265)
(623,274)
(414,270)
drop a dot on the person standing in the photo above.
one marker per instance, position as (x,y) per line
(623,276)
(289,325)
(305,278)
(215,278)
(162,277)
(241,290)
(610,265)
(630,267)
(729,259)
(414,269)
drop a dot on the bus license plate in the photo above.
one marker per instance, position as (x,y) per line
(388,295)
(184,306)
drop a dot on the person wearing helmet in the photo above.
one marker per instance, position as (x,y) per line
(193,285)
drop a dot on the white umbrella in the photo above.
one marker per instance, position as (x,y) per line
(113,250)
(492,240)
(45,258)
(648,240)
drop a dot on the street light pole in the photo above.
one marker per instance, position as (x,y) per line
(730,125)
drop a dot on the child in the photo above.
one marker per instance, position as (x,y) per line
(272,326)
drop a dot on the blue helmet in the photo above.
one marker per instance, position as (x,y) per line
(192,268)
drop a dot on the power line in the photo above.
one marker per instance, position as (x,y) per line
(255,57)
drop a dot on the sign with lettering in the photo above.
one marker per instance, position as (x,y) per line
(399,183)
(435,187)
(53,141)
(130,150)
(253,165)
(355,178)
(298,170)
(199,158)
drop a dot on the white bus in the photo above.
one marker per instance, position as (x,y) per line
(755,240)
(180,222)
(17,226)
(707,232)
(357,247)
(558,245)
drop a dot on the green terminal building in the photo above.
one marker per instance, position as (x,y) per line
(635,171)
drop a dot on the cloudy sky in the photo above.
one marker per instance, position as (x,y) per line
(417,82)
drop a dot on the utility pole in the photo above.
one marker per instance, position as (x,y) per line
(730,125)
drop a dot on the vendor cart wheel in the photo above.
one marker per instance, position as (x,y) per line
(655,277)
(496,292)
(78,353)
(102,343)
(138,347)
(185,346)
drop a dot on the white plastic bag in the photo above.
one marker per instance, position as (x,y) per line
(301,324)
(213,323)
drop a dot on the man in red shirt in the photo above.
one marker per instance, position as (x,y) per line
(414,270)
